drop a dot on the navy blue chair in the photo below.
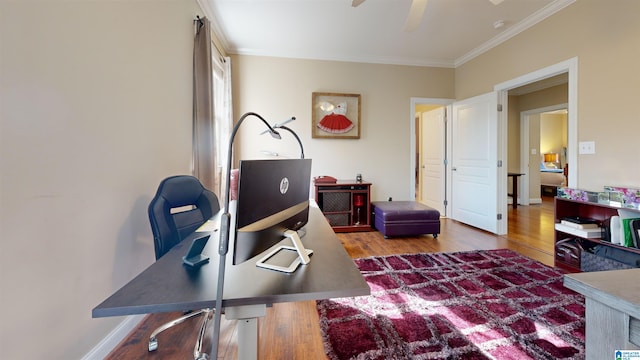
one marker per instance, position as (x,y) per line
(181,205)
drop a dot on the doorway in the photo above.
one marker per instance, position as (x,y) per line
(543,152)
(564,70)
(429,149)
(568,67)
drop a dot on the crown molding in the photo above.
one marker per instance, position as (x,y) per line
(218,34)
(521,26)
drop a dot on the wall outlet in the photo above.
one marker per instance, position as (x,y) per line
(587,147)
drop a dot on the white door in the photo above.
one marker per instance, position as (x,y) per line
(474,159)
(432,168)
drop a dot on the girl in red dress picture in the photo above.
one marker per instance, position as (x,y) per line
(335,122)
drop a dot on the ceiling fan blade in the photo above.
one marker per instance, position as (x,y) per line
(355,3)
(496,2)
(416,12)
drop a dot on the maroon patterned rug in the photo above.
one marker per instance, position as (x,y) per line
(492,304)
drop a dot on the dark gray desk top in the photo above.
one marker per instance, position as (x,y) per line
(167,285)
(618,289)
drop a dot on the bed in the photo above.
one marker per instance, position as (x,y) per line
(552,175)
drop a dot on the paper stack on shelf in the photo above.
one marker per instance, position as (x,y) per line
(589,233)
(579,226)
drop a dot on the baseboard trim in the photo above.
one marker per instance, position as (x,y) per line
(535,201)
(106,345)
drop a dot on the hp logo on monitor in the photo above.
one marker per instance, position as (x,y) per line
(284,185)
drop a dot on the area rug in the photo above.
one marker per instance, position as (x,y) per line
(493,304)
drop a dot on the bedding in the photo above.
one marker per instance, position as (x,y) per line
(552,174)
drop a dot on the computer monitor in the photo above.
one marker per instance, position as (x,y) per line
(272,204)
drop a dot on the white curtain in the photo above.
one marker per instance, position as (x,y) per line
(223,122)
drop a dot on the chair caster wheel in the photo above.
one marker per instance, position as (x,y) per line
(153,344)
(203,356)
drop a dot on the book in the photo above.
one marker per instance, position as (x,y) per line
(579,226)
(595,233)
(579,220)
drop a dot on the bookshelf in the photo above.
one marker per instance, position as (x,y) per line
(585,238)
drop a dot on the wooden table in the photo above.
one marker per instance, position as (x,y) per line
(514,193)
(167,285)
(612,301)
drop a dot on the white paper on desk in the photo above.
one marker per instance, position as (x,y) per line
(208,226)
(211,225)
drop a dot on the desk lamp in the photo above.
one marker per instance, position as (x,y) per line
(225,223)
(294,135)
(283,127)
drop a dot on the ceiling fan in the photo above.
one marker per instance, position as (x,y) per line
(416,12)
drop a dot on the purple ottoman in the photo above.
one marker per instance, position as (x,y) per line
(405,218)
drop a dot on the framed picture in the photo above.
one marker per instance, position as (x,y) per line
(335,116)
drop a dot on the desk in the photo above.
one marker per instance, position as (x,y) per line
(514,194)
(167,285)
(612,300)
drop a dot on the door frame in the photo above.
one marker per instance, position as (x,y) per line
(413,146)
(570,67)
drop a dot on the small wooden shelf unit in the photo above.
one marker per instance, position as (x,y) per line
(570,208)
(346,204)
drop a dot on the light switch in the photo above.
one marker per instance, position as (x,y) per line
(586,147)
(534,151)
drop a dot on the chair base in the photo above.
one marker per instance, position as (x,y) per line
(197,351)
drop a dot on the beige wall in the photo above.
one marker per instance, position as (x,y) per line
(553,134)
(381,155)
(95,111)
(280,88)
(603,35)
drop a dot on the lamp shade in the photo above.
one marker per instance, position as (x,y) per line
(551,157)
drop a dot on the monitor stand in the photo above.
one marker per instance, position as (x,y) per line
(302,258)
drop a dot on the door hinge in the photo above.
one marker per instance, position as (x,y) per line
(499,216)
(499,107)
(499,163)
(446,162)
(445,203)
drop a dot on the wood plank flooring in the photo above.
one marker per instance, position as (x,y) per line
(291,331)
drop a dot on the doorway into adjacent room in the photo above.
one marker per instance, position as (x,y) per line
(538,142)
(429,152)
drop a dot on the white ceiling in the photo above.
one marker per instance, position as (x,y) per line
(450,33)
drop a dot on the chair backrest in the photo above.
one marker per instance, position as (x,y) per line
(180,206)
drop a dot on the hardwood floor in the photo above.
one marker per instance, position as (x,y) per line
(291,331)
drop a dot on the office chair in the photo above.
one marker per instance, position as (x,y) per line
(181,205)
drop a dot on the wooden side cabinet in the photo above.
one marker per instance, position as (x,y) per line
(346,204)
(572,208)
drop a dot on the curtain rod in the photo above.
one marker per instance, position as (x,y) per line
(215,45)
(200,22)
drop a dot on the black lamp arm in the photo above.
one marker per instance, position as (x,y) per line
(294,135)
